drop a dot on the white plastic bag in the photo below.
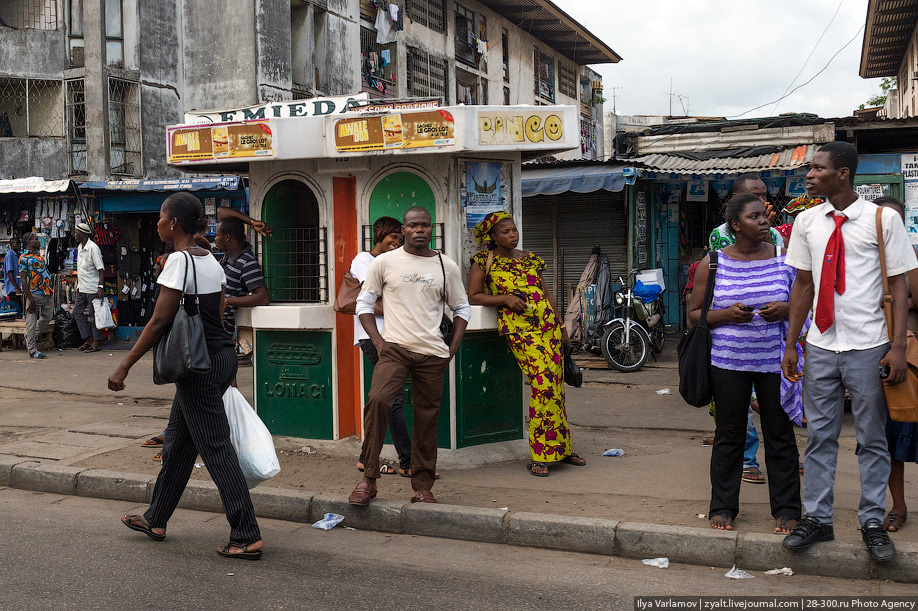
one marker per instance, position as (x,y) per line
(103,312)
(251,438)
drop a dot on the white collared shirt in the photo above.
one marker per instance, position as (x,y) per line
(859,323)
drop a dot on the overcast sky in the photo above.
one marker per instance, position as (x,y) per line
(727,56)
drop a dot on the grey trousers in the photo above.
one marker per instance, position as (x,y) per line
(827,375)
(37,321)
(84,313)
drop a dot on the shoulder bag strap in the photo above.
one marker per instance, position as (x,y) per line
(709,289)
(184,277)
(443,269)
(887,296)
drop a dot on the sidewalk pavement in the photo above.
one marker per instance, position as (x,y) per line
(62,431)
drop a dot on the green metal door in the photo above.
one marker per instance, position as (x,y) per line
(399,191)
(293,383)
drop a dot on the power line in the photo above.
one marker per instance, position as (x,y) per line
(809,56)
(791,92)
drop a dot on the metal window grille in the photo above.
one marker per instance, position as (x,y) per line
(426,74)
(378,74)
(76,126)
(429,13)
(124,127)
(436,242)
(296,266)
(29,14)
(467,88)
(544,75)
(506,96)
(567,80)
(505,52)
(31,108)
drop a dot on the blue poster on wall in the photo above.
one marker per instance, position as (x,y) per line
(480,194)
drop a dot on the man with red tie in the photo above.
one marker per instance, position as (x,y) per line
(834,247)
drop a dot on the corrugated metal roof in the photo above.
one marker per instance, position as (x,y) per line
(886,36)
(788,159)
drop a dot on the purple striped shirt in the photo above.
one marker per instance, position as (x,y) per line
(757,345)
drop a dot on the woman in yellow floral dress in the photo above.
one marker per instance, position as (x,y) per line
(527,317)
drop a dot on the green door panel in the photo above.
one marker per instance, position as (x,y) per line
(399,191)
(294,383)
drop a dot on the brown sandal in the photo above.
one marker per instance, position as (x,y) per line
(894,521)
(784,525)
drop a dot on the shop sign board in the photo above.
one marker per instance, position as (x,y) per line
(795,187)
(512,128)
(697,191)
(395,131)
(314,107)
(220,141)
(910,166)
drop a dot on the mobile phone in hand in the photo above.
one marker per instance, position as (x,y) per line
(884,372)
(747,308)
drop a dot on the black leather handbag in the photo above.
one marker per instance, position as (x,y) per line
(695,350)
(572,374)
(447,328)
(182,350)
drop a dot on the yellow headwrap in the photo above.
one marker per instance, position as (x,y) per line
(484,227)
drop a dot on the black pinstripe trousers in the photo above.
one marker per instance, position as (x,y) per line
(198,425)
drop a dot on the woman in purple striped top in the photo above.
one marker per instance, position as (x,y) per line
(748,328)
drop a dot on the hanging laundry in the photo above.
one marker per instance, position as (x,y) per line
(384,32)
(397,14)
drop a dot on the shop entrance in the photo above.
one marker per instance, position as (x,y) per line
(294,258)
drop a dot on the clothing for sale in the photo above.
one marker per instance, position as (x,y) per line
(105,234)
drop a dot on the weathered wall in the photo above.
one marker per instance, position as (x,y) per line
(342,51)
(272,50)
(219,53)
(161,64)
(45,157)
(33,52)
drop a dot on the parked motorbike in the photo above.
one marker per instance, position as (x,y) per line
(637,331)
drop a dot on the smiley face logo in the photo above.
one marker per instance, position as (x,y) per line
(554,128)
(534,129)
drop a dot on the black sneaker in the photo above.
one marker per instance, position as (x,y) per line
(879,545)
(807,532)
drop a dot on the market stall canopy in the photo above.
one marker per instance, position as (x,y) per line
(579,179)
(730,162)
(202,183)
(36,184)
(530,130)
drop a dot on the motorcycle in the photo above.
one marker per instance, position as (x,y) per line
(630,338)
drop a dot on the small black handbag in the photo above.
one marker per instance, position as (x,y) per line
(695,351)
(182,350)
(447,328)
(572,374)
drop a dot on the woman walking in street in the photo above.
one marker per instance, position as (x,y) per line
(748,326)
(197,423)
(527,317)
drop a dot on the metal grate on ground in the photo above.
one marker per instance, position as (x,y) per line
(296,265)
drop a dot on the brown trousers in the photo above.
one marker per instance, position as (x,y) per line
(389,376)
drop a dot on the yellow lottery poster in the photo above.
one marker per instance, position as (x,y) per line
(227,141)
(397,131)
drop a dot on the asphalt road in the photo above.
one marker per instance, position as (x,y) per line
(64,552)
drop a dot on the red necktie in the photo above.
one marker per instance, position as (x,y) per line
(832,279)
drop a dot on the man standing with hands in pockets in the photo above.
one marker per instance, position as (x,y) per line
(416,283)
(834,247)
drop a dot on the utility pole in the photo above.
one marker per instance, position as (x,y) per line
(613,99)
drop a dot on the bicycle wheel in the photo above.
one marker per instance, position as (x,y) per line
(625,357)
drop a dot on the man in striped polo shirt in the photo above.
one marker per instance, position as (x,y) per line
(245,282)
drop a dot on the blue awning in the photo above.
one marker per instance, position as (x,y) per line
(204,183)
(579,179)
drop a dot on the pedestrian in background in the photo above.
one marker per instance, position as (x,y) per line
(36,293)
(527,316)
(89,287)
(245,282)
(751,291)
(11,275)
(197,423)
(387,236)
(834,247)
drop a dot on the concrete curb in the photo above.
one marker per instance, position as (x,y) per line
(701,546)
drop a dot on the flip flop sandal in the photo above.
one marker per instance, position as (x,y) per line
(781,525)
(574,459)
(142,527)
(385,469)
(537,464)
(158,457)
(92,349)
(245,554)
(726,517)
(894,522)
(753,475)
(153,442)
(360,466)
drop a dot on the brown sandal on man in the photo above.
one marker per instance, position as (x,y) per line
(156,441)
(784,525)
(894,521)
(753,475)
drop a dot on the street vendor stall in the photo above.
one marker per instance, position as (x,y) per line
(321,182)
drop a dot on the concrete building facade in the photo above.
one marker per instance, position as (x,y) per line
(87,87)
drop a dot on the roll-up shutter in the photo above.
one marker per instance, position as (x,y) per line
(584,220)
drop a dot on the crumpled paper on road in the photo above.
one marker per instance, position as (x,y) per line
(660,563)
(785,571)
(736,573)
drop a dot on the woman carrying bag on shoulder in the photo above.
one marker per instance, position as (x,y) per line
(748,322)
(197,423)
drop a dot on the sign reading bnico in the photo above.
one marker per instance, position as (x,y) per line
(496,127)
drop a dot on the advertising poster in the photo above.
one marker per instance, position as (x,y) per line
(480,193)
(229,141)
(697,191)
(401,131)
(911,211)
(872,192)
